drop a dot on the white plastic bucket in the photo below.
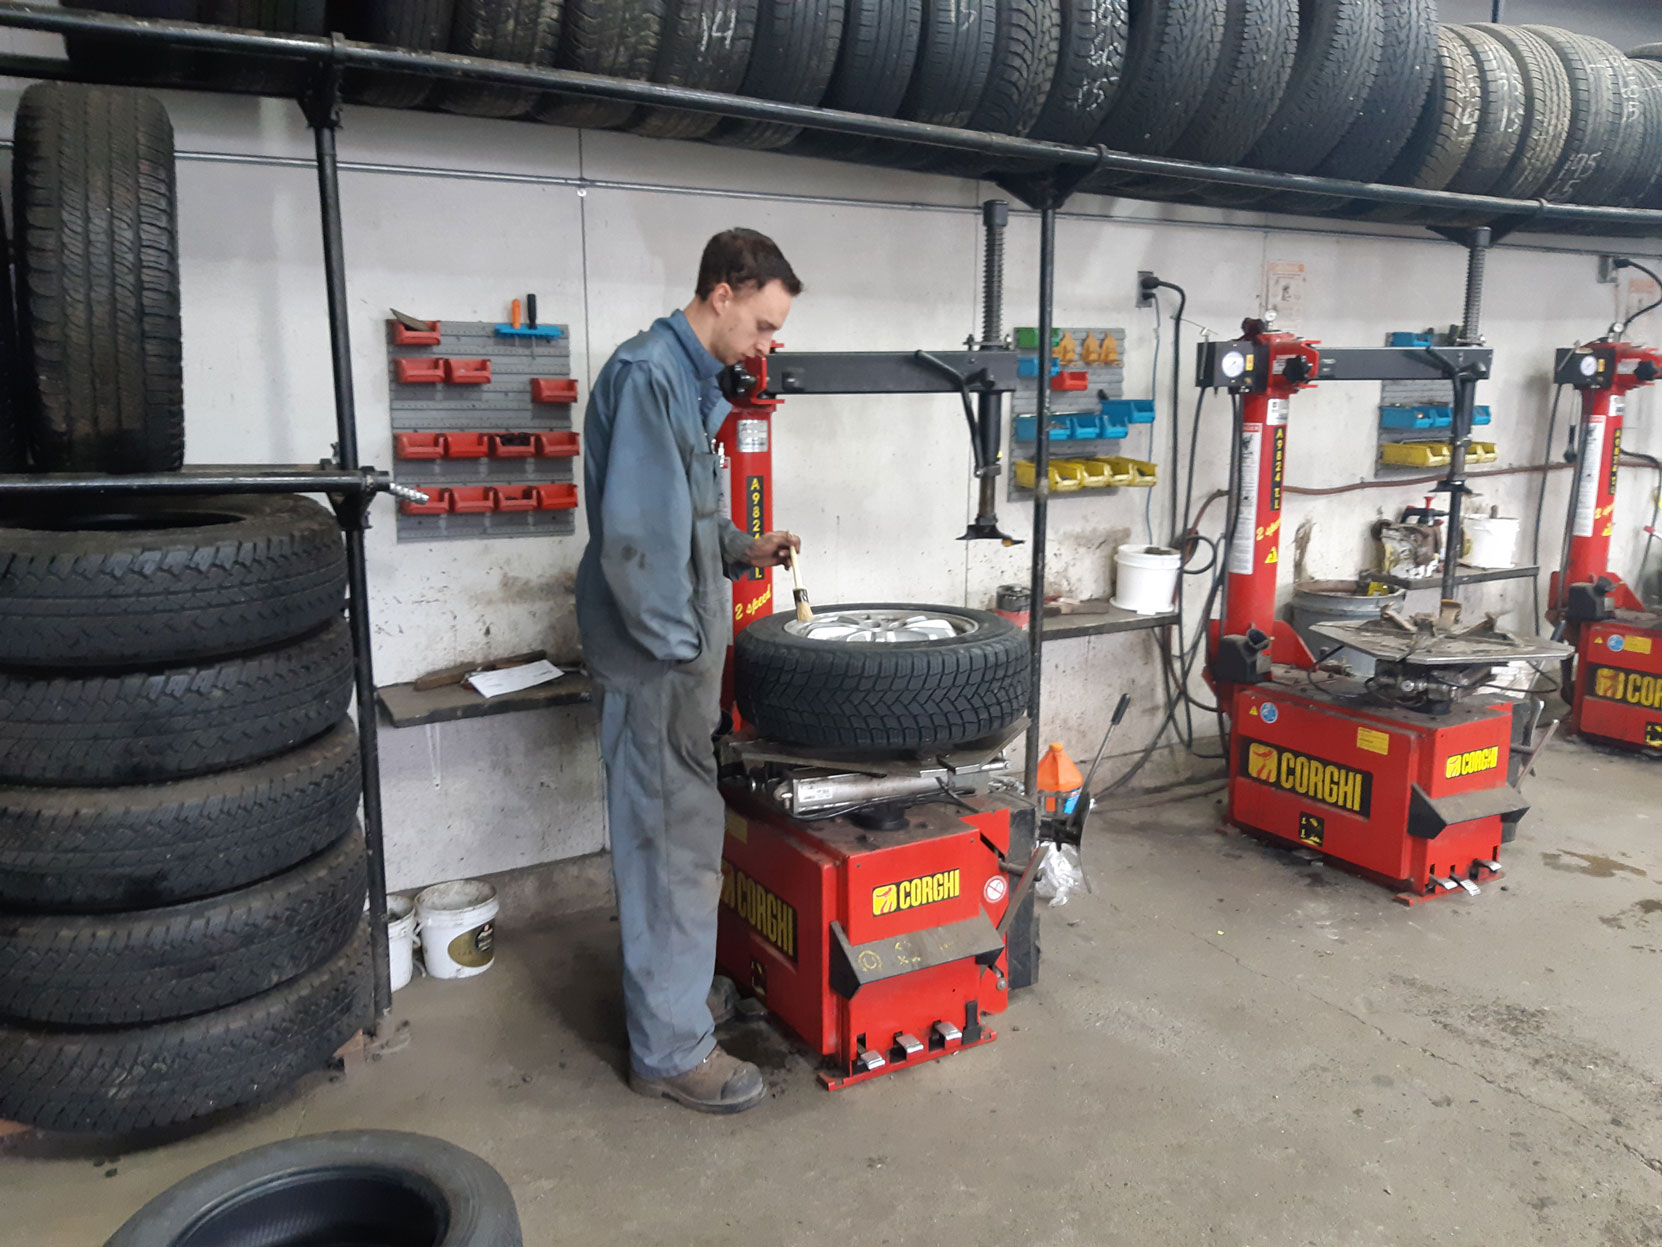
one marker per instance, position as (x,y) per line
(1145,579)
(401,925)
(458,928)
(1492,540)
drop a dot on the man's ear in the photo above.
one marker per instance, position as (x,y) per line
(721,298)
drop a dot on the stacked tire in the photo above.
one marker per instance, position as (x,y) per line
(182,879)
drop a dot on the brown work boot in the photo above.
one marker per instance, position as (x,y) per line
(717,1084)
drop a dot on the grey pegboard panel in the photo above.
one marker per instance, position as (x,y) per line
(1104,379)
(501,405)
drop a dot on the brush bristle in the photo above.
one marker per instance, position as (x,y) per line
(804,613)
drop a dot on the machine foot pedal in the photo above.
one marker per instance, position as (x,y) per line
(1471,888)
(948,1032)
(868,1061)
(908,1043)
(1488,865)
(1448,885)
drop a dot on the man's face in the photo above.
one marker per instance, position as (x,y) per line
(747,319)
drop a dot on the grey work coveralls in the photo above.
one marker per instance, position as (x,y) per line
(655,613)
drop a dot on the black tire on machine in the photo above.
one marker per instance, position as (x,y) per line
(791,60)
(97,255)
(172,1072)
(414,25)
(169,723)
(524,32)
(96,850)
(619,38)
(883,695)
(155,965)
(357,1186)
(138,582)
(705,45)
(1090,61)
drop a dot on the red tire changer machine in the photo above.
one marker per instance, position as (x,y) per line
(1617,676)
(1405,776)
(881,939)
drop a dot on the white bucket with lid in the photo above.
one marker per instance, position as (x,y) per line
(1145,579)
(458,928)
(1491,540)
(401,925)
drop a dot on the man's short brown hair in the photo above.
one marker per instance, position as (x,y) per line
(743,257)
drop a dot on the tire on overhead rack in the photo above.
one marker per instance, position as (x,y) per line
(1640,155)
(791,61)
(379,1186)
(92,850)
(705,45)
(1443,136)
(1392,104)
(954,675)
(1500,123)
(618,38)
(1651,73)
(525,32)
(152,581)
(414,25)
(1590,168)
(1340,45)
(879,46)
(97,256)
(172,1072)
(13,456)
(155,965)
(116,58)
(1170,58)
(1090,60)
(1546,120)
(166,723)
(1018,80)
(294,17)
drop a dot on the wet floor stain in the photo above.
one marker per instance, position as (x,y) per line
(1636,912)
(1590,864)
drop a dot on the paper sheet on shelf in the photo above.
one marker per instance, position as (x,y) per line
(513,679)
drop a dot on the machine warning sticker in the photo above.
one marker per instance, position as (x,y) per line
(1631,688)
(753,437)
(1633,644)
(1241,553)
(1587,489)
(1653,735)
(1472,762)
(1312,829)
(1373,741)
(767,915)
(1342,787)
(924,890)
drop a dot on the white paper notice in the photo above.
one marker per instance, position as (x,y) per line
(513,679)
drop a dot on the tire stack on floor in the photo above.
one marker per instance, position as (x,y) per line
(181,877)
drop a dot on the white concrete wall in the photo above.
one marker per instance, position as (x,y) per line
(451,217)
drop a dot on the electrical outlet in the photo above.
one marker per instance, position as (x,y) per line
(1145,288)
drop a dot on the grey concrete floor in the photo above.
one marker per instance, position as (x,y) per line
(1228,1045)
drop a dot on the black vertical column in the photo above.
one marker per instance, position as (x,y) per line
(1041,490)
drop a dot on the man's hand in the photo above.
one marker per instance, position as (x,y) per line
(768,550)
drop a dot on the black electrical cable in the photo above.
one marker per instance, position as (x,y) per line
(1624,262)
(1176,389)
(1541,501)
(1569,529)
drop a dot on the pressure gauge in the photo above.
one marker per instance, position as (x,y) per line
(1233,364)
(1589,365)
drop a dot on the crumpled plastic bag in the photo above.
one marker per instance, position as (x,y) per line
(1060,874)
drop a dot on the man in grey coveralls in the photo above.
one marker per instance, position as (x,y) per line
(655,614)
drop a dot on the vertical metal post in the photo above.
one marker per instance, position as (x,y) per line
(1041,489)
(1497,12)
(1465,399)
(322,106)
(995,215)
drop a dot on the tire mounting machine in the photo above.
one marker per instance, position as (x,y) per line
(1403,777)
(1616,675)
(866,900)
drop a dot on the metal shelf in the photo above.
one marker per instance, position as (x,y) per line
(405,707)
(1100,618)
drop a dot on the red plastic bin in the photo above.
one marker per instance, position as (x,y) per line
(513,445)
(402,335)
(467,371)
(1071,381)
(419,371)
(438,503)
(472,499)
(561,497)
(517,498)
(466,445)
(553,389)
(418,446)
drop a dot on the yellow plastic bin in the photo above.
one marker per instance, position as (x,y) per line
(1415,454)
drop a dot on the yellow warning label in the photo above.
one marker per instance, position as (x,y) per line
(767,915)
(1312,829)
(1636,644)
(1372,741)
(1471,762)
(924,890)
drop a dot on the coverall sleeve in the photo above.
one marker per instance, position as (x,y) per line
(646,510)
(734,542)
